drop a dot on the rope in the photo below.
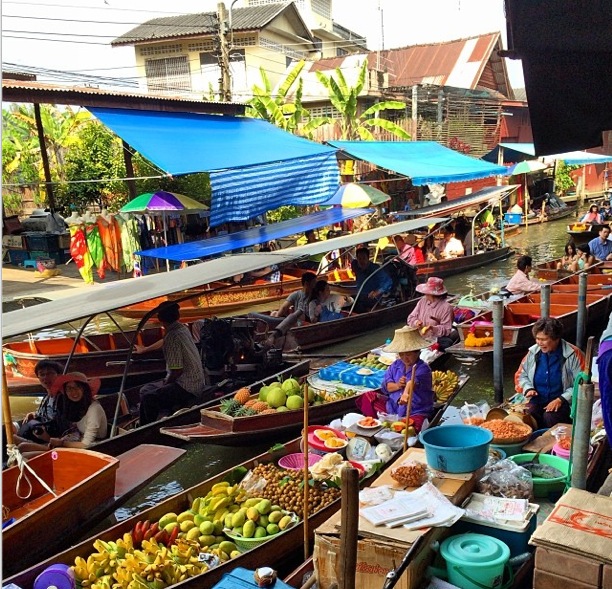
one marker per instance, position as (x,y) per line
(14,456)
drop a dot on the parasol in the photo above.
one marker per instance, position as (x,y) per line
(162,202)
(526,167)
(355,196)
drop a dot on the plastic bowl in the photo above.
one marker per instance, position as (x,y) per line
(543,487)
(296,461)
(456,448)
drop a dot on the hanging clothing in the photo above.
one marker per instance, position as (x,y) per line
(129,241)
(80,253)
(111,240)
(96,249)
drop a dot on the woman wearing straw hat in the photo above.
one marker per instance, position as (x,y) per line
(409,367)
(433,314)
(77,405)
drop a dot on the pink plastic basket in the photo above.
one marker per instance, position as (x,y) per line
(296,461)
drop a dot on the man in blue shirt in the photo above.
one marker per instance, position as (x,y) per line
(601,247)
(375,287)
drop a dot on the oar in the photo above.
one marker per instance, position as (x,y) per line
(409,389)
(306,473)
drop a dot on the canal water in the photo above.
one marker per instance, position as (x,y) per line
(542,242)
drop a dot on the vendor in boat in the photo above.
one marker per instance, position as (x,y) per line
(184,381)
(601,246)
(298,300)
(604,363)
(520,283)
(547,372)
(433,314)
(375,281)
(78,407)
(408,368)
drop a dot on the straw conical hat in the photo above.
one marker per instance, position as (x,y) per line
(407,339)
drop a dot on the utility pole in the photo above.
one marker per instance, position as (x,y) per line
(225,81)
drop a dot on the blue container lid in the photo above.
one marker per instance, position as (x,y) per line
(474,549)
(56,575)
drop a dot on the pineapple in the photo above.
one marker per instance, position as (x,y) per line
(251,403)
(260,406)
(229,406)
(243,411)
(268,411)
(242,395)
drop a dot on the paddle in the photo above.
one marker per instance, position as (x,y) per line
(408,390)
(306,473)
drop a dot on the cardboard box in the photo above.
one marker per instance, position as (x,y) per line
(570,567)
(606,577)
(13,241)
(546,580)
(374,560)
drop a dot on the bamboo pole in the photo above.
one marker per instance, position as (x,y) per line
(6,409)
(306,474)
(349,527)
(408,390)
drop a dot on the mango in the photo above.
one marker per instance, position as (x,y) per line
(169,527)
(239,518)
(272,529)
(198,519)
(275,517)
(264,506)
(235,553)
(252,502)
(252,514)
(207,528)
(284,522)
(185,516)
(263,520)
(206,540)
(248,530)
(164,520)
(260,532)
(228,520)
(193,534)
(186,525)
(219,525)
(227,547)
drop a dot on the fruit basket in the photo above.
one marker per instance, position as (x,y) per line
(507,432)
(296,461)
(245,544)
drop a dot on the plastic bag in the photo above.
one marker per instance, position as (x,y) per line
(471,414)
(597,417)
(411,473)
(505,478)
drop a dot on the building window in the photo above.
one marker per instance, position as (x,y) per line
(341,52)
(318,44)
(170,73)
(161,50)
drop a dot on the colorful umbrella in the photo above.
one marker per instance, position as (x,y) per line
(162,202)
(354,196)
(526,167)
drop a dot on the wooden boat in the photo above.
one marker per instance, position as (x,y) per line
(98,355)
(452,266)
(581,233)
(88,487)
(521,314)
(553,214)
(150,433)
(273,551)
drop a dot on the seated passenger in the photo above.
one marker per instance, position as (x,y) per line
(569,261)
(375,287)
(451,246)
(592,216)
(323,306)
(406,251)
(520,283)
(585,258)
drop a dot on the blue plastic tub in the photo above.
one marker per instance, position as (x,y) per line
(456,448)
(512,218)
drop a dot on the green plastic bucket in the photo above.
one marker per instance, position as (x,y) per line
(475,561)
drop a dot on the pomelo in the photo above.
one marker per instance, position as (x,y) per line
(294,402)
(263,393)
(276,397)
(291,386)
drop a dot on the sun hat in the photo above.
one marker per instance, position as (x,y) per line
(93,383)
(407,339)
(433,286)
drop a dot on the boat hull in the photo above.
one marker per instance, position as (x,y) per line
(452,266)
(83,480)
(551,216)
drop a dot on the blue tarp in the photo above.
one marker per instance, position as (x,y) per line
(256,235)
(185,143)
(241,194)
(517,152)
(424,162)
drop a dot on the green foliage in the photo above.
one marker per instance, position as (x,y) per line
(345,100)
(563,180)
(283,213)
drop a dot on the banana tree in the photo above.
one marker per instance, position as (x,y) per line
(344,98)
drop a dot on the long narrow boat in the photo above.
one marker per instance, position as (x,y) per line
(581,233)
(88,486)
(521,314)
(150,433)
(273,551)
(452,266)
(553,214)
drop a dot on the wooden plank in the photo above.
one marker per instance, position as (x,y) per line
(140,464)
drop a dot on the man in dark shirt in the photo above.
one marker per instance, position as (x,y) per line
(376,281)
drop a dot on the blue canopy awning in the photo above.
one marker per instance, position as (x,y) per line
(233,241)
(512,153)
(186,143)
(424,162)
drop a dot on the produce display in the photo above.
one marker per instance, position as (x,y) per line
(507,432)
(356,372)
(410,474)
(329,467)
(444,384)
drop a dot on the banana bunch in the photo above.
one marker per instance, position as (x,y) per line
(102,563)
(444,383)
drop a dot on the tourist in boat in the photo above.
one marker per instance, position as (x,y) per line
(547,372)
(451,246)
(405,249)
(184,381)
(592,216)
(604,363)
(601,246)
(433,314)
(298,300)
(393,397)
(269,273)
(585,258)
(605,211)
(569,261)
(520,283)
(431,253)
(375,287)
(77,405)
(322,306)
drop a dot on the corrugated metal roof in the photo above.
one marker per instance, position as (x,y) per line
(205,23)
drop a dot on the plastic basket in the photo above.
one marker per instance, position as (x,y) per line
(296,461)
(245,544)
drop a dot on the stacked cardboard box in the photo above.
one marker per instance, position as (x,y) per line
(574,544)
(381,549)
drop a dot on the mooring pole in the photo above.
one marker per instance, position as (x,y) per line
(545,301)
(498,349)
(582,435)
(581,315)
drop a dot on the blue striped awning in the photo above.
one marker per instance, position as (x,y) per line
(239,195)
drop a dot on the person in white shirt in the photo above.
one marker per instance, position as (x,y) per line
(451,246)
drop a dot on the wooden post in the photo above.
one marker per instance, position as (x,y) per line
(498,350)
(581,436)
(545,301)
(581,312)
(45,158)
(306,474)
(408,389)
(6,409)
(349,526)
